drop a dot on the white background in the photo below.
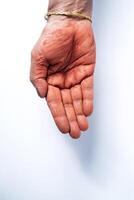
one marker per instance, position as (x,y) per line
(36,161)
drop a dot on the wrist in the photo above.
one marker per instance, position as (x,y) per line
(81,6)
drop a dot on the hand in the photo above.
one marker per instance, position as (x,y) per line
(62,67)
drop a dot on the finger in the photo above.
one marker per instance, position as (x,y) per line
(55,104)
(77,74)
(67,102)
(76,94)
(87,92)
(38,73)
(56,79)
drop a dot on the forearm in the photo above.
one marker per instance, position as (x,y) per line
(82,6)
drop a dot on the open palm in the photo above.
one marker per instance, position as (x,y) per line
(62,66)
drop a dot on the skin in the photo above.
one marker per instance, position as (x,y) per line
(83,6)
(62,68)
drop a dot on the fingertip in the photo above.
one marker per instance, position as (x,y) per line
(87,107)
(74,130)
(41,87)
(62,124)
(41,92)
(82,122)
(75,136)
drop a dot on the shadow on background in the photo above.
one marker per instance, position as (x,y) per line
(95,149)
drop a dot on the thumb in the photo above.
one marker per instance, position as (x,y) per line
(41,87)
(38,73)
